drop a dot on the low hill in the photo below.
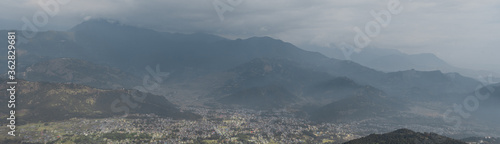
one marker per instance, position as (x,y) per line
(405,136)
(43,101)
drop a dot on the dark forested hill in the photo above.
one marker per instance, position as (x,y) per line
(43,101)
(405,136)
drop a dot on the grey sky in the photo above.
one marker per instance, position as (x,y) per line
(463,32)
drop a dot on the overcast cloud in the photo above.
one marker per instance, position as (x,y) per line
(463,32)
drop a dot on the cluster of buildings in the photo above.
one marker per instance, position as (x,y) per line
(216,126)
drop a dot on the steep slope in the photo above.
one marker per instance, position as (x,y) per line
(405,136)
(365,104)
(264,72)
(103,38)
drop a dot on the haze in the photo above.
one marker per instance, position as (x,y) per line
(463,33)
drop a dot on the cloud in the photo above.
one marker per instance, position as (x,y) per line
(87,18)
(460,31)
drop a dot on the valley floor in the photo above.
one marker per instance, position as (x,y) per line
(216,126)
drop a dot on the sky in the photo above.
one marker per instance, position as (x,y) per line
(462,32)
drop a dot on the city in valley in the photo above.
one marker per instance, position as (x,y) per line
(249,72)
(216,126)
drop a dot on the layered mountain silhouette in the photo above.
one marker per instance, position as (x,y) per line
(278,83)
(267,71)
(258,71)
(390,60)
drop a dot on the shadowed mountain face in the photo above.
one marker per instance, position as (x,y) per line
(101,40)
(271,80)
(266,83)
(426,85)
(366,103)
(43,102)
(130,48)
(264,71)
(405,136)
(66,70)
(333,89)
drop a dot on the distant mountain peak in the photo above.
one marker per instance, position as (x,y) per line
(108,26)
(103,20)
(263,38)
(96,22)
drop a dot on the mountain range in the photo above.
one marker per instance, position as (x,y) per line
(390,60)
(258,72)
